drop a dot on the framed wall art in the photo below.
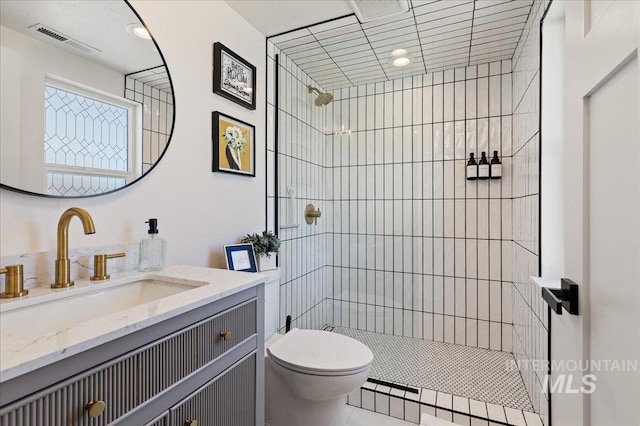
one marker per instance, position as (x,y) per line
(234,143)
(233,77)
(240,257)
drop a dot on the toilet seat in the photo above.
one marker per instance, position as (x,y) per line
(320,353)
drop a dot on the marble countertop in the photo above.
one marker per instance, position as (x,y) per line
(20,354)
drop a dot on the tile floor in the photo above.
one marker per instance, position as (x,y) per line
(474,373)
(360,417)
(452,384)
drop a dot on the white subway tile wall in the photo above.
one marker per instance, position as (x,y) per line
(300,150)
(530,317)
(152,89)
(418,250)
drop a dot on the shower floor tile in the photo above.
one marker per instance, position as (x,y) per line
(475,373)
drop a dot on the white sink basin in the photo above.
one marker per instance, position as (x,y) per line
(74,308)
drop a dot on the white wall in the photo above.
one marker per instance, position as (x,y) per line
(9,116)
(198,211)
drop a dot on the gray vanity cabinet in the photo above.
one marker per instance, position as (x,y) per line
(160,421)
(199,365)
(224,401)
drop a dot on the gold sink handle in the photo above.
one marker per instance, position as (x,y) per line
(100,266)
(14,285)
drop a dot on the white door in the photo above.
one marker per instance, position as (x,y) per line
(602,215)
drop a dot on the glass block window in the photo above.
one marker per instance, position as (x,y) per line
(86,142)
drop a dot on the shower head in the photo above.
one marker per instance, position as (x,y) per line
(323,98)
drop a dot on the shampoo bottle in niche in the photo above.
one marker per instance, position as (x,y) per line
(472,168)
(483,167)
(152,249)
(496,166)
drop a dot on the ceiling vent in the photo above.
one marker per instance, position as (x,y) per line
(371,10)
(58,36)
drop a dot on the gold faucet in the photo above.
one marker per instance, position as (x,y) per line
(63,264)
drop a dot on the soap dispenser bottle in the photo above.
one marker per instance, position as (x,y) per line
(472,168)
(496,166)
(152,249)
(483,167)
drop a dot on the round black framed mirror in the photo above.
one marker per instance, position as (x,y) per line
(87,103)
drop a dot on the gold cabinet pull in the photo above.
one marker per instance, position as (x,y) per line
(191,423)
(96,408)
(100,266)
(226,335)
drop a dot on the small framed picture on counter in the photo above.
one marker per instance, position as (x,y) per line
(240,257)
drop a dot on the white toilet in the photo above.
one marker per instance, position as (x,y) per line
(308,373)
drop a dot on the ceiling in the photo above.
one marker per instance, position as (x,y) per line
(100,24)
(438,35)
(277,16)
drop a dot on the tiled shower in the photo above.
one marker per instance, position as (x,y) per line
(406,246)
(418,249)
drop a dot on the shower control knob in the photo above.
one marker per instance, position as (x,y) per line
(311,214)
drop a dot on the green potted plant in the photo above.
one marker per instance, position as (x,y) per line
(265,246)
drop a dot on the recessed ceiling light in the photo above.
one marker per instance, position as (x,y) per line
(139,30)
(399,52)
(400,57)
(401,62)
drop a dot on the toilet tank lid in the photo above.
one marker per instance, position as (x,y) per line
(317,350)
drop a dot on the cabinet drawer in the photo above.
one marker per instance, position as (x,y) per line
(67,404)
(240,322)
(173,359)
(229,399)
